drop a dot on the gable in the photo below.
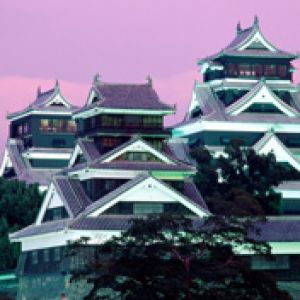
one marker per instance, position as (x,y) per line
(77,156)
(281,152)
(92,97)
(262,96)
(52,201)
(149,191)
(256,45)
(6,163)
(138,150)
(257,40)
(57,100)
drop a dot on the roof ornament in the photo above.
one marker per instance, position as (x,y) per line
(256,22)
(56,85)
(149,81)
(238,27)
(39,91)
(96,80)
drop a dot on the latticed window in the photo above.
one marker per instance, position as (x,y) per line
(282,71)
(34,257)
(245,70)
(258,70)
(46,255)
(58,125)
(148,208)
(45,125)
(56,254)
(232,70)
(71,126)
(152,121)
(270,70)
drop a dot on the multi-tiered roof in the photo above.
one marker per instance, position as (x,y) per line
(104,187)
(248,94)
(41,138)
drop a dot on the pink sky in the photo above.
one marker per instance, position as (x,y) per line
(123,40)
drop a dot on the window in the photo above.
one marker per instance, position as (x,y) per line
(20,130)
(282,71)
(25,128)
(263,108)
(148,208)
(46,255)
(71,126)
(232,70)
(58,125)
(34,257)
(270,70)
(111,120)
(110,142)
(276,262)
(152,121)
(258,70)
(56,254)
(45,125)
(57,213)
(245,70)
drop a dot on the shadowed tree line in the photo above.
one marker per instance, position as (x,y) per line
(174,257)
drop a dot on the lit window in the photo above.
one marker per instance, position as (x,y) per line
(58,126)
(45,125)
(71,126)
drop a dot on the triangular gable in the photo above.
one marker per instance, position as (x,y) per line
(93,96)
(52,199)
(256,39)
(262,94)
(136,145)
(6,163)
(146,190)
(271,143)
(56,99)
(76,155)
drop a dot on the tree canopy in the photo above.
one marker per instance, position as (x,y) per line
(172,257)
(19,204)
(240,182)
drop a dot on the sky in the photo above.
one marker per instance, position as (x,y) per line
(124,41)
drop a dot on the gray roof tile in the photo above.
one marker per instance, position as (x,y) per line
(127,96)
(72,194)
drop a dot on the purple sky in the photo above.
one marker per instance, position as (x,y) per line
(123,40)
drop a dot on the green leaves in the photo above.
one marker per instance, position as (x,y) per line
(240,182)
(166,257)
(19,204)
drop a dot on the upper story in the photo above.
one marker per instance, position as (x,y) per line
(115,112)
(45,123)
(249,56)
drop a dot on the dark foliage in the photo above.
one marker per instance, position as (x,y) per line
(19,204)
(171,257)
(240,182)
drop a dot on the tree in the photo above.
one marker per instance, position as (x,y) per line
(173,257)
(240,182)
(19,204)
